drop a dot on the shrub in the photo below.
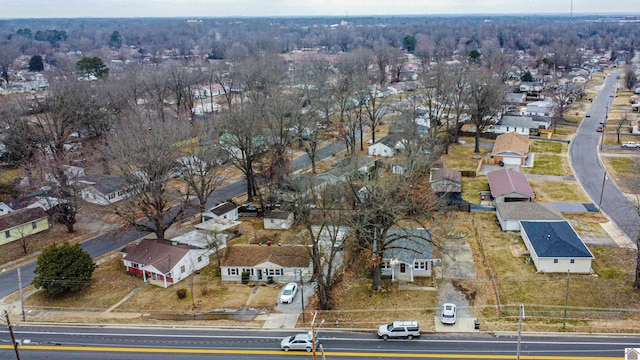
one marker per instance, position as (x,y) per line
(182,293)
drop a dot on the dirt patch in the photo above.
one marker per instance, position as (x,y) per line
(518,250)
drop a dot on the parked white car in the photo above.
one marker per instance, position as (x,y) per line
(630,144)
(288,293)
(448,315)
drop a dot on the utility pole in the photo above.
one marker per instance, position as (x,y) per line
(13,337)
(566,301)
(313,334)
(520,331)
(21,296)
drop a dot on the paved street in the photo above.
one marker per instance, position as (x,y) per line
(587,167)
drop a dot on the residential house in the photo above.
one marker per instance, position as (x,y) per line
(330,227)
(103,189)
(555,247)
(408,255)
(267,263)
(541,122)
(350,167)
(216,232)
(511,213)
(22,223)
(387,146)
(444,180)
(518,124)
(278,220)
(508,185)
(225,211)
(542,108)
(516,98)
(163,262)
(530,87)
(511,149)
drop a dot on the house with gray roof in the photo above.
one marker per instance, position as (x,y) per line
(348,168)
(518,124)
(387,146)
(409,254)
(103,189)
(511,213)
(555,247)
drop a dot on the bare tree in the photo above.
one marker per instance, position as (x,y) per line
(562,97)
(9,52)
(630,77)
(145,155)
(486,94)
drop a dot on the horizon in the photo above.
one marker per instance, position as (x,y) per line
(108,9)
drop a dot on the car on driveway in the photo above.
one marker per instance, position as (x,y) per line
(448,315)
(630,144)
(288,293)
(298,342)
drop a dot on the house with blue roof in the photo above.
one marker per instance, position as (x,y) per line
(555,247)
(408,255)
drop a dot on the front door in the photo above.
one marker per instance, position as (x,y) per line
(403,268)
(259,274)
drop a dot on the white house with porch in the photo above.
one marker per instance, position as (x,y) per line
(409,254)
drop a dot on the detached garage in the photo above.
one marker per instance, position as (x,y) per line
(555,247)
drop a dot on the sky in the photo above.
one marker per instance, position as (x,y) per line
(12,9)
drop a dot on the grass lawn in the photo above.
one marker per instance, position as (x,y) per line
(562,191)
(463,157)
(542,146)
(471,188)
(550,164)
(623,170)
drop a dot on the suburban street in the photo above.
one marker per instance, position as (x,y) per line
(116,239)
(165,343)
(588,169)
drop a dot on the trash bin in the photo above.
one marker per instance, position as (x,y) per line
(476,324)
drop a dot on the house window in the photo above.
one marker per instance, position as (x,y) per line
(385,265)
(183,269)
(111,196)
(199,258)
(555,261)
(420,265)
(232,272)
(272,221)
(34,225)
(7,233)
(248,270)
(573,261)
(135,265)
(274,272)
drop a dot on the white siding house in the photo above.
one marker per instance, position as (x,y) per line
(266,263)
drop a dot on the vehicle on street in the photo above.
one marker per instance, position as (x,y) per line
(630,144)
(599,129)
(448,315)
(399,329)
(298,342)
(288,293)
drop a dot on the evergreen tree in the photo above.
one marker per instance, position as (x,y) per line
(63,268)
(36,63)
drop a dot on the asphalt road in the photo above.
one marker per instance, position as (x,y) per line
(98,342)
(588,169)
(113,240)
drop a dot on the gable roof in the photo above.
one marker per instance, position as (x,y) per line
(223,208)
(277,214)
(105,184)
(554,239)
(528,211)
(507,181)
(511,142)
(410,244)
(446,174)
(21,216)
(251,255)
(161,254)
(517,121)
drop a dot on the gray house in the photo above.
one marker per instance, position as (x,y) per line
(511,213)
(409,255)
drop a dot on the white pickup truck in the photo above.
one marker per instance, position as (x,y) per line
(631,144)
